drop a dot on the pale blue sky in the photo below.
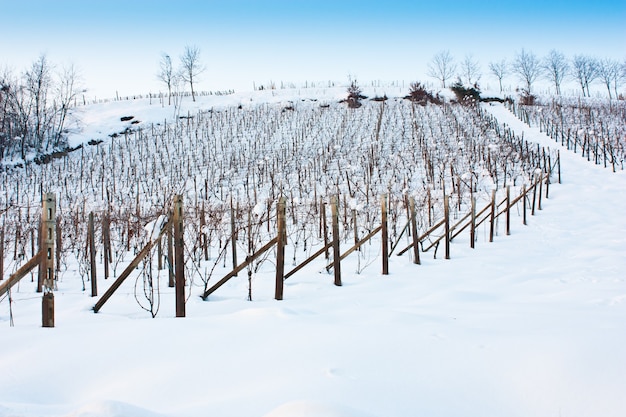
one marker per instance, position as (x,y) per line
(117,44)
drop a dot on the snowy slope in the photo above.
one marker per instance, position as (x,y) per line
(529,325)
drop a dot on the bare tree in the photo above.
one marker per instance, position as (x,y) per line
(67,89)
(442,67)
(527,67)
(500,70)
(167,75)
(585,70)
(470,71)
(191,66)
(555,68)
(38,81)
(609,72)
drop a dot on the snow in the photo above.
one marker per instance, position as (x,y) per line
(529,325)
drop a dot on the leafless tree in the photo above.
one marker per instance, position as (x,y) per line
(191,66)
(168,75)
(442,67)
(67,88)
(555,68)
(38,81)
(527,67)
(609,72)
(585,70)
(499,70)
(470,71)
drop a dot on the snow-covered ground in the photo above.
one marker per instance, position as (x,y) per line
(529,325)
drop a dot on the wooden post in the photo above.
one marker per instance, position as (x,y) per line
(233,233)
(179,242)
(46,265)
(508,210)
(280,248)
(532,211)
(170,257)
(324,227)
(524,202)
(540,189)
(92,256)
(493,215)
(446,214)
(385,235)
(2,253)
(336,254)
(416,250)
(473,228)
(558,160)
(106,240)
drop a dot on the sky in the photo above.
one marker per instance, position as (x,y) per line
(117,45)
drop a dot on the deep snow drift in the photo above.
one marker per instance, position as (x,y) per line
(529,325)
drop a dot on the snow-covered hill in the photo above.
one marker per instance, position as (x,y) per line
(529,325)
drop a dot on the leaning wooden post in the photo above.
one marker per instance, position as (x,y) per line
(336,254)
(385,235)
(416,249)
(493,215)
(92,256)
(508,210)
(179,242)
(446,214)
(46,264)
(280,248)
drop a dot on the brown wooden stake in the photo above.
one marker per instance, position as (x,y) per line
(385,235)
(46,265)
(524,203)
(106,240)
(280,248)
(416,249)
(170,257)
(493,215)
(233,234)
(473,228)
(2,253)
(508,210)
(92,256)
(540,189)
(336,254)
(446,214)
(325,228)
(532,211)
(179,243)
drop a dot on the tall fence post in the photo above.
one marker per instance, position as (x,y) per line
(233,233)
(46,265)
(92,256)
(524,198)
(385,235)
(416,249)
(280,248)
(336,254)
(179,242)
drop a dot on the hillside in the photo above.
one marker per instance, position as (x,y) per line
(530,324)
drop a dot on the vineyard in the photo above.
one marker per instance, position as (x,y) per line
(231,165)
(388,225)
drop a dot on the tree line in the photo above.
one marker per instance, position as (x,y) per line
(528,68)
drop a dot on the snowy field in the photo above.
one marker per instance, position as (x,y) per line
(529,325)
